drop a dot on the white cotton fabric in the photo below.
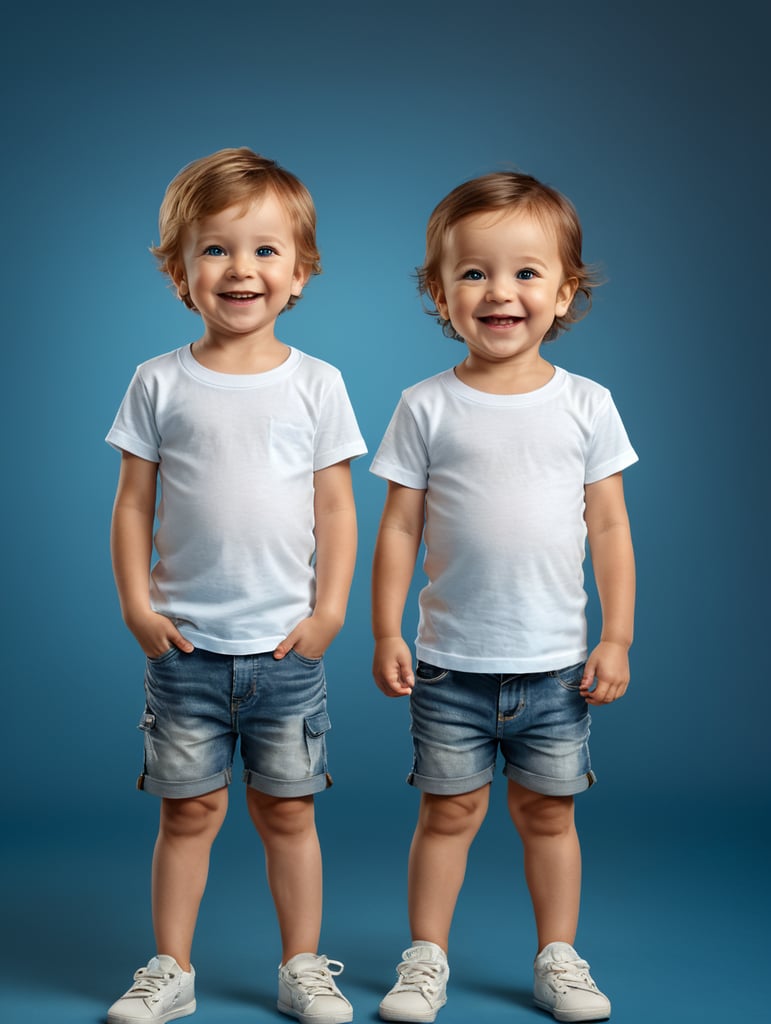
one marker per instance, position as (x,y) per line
(236,455)
(505,532)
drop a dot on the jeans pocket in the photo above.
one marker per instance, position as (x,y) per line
(304,658)
(570,678)
(163,658)
(425,673)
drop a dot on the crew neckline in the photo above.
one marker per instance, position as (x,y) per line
(237,381)
(545,393)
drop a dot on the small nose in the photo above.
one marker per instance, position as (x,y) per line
(241,265)
(500,289)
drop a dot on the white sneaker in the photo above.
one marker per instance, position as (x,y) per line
(307,990)
(162,991)
(421,990)
(564,986)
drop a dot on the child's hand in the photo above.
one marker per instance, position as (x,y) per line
(392,667)
(156,634)
(310,638)
(608,666)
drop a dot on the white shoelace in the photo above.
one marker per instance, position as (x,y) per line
(572,974)
(316,978)
(148,983)
(420,976)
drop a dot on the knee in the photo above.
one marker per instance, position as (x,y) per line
(459,815)
(194,816)
(281,817)
(538,816)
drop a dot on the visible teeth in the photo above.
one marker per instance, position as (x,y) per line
(240,295)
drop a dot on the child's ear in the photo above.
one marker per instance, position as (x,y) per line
(436,292)
(565,295)
(300,278)
(177,275)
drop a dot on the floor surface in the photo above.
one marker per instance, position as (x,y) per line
(674,907)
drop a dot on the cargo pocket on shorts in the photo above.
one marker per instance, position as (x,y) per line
(316,728)
(145,725)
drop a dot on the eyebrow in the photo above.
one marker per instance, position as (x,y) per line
(522,260)
(258,238)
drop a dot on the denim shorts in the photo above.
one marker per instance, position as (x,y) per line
(199,705)
(539,721)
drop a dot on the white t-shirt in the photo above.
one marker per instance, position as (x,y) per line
(505,532)
(236,455)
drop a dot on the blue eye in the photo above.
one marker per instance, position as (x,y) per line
(214,250)
(266,250)
(525,275)
(473,275)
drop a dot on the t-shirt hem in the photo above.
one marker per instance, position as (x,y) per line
(398,475)
(615,465)
(354,450)
(543,663)
(122,442)
(235,647)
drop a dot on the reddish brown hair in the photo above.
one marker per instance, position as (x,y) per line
(226,178)
(506,191)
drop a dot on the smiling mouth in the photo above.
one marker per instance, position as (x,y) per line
(501,321)
(239,296)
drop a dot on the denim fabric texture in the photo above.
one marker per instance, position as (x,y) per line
(539,721)
(200,705)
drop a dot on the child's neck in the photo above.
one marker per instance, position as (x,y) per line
(239,356)
(504,378)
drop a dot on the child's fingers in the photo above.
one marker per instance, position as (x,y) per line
(159,636)
(587,679)
(393,681)
(284,647)
(606,691)
(396,689)
(182,643)
(405,674)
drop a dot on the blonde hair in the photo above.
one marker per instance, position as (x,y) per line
(227,177)
(506,191)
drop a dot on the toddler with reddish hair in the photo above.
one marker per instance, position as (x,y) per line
(251,442)
(502,466)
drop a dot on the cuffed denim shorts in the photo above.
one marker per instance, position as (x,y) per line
(199,705)
(539,721)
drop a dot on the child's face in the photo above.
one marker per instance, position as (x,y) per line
(502,285)
(240,268)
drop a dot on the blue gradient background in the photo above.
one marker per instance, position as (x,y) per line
(653,119)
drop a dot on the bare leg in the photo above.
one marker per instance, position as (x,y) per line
(446,828)
(187,830)
(552,854)
(287,828)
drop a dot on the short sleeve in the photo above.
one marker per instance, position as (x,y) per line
(338,437)
(135,429)
(610,450)
(402,456)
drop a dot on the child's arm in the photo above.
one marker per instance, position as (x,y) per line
(335,531)
(131,541)
(610,543)
(398,541)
